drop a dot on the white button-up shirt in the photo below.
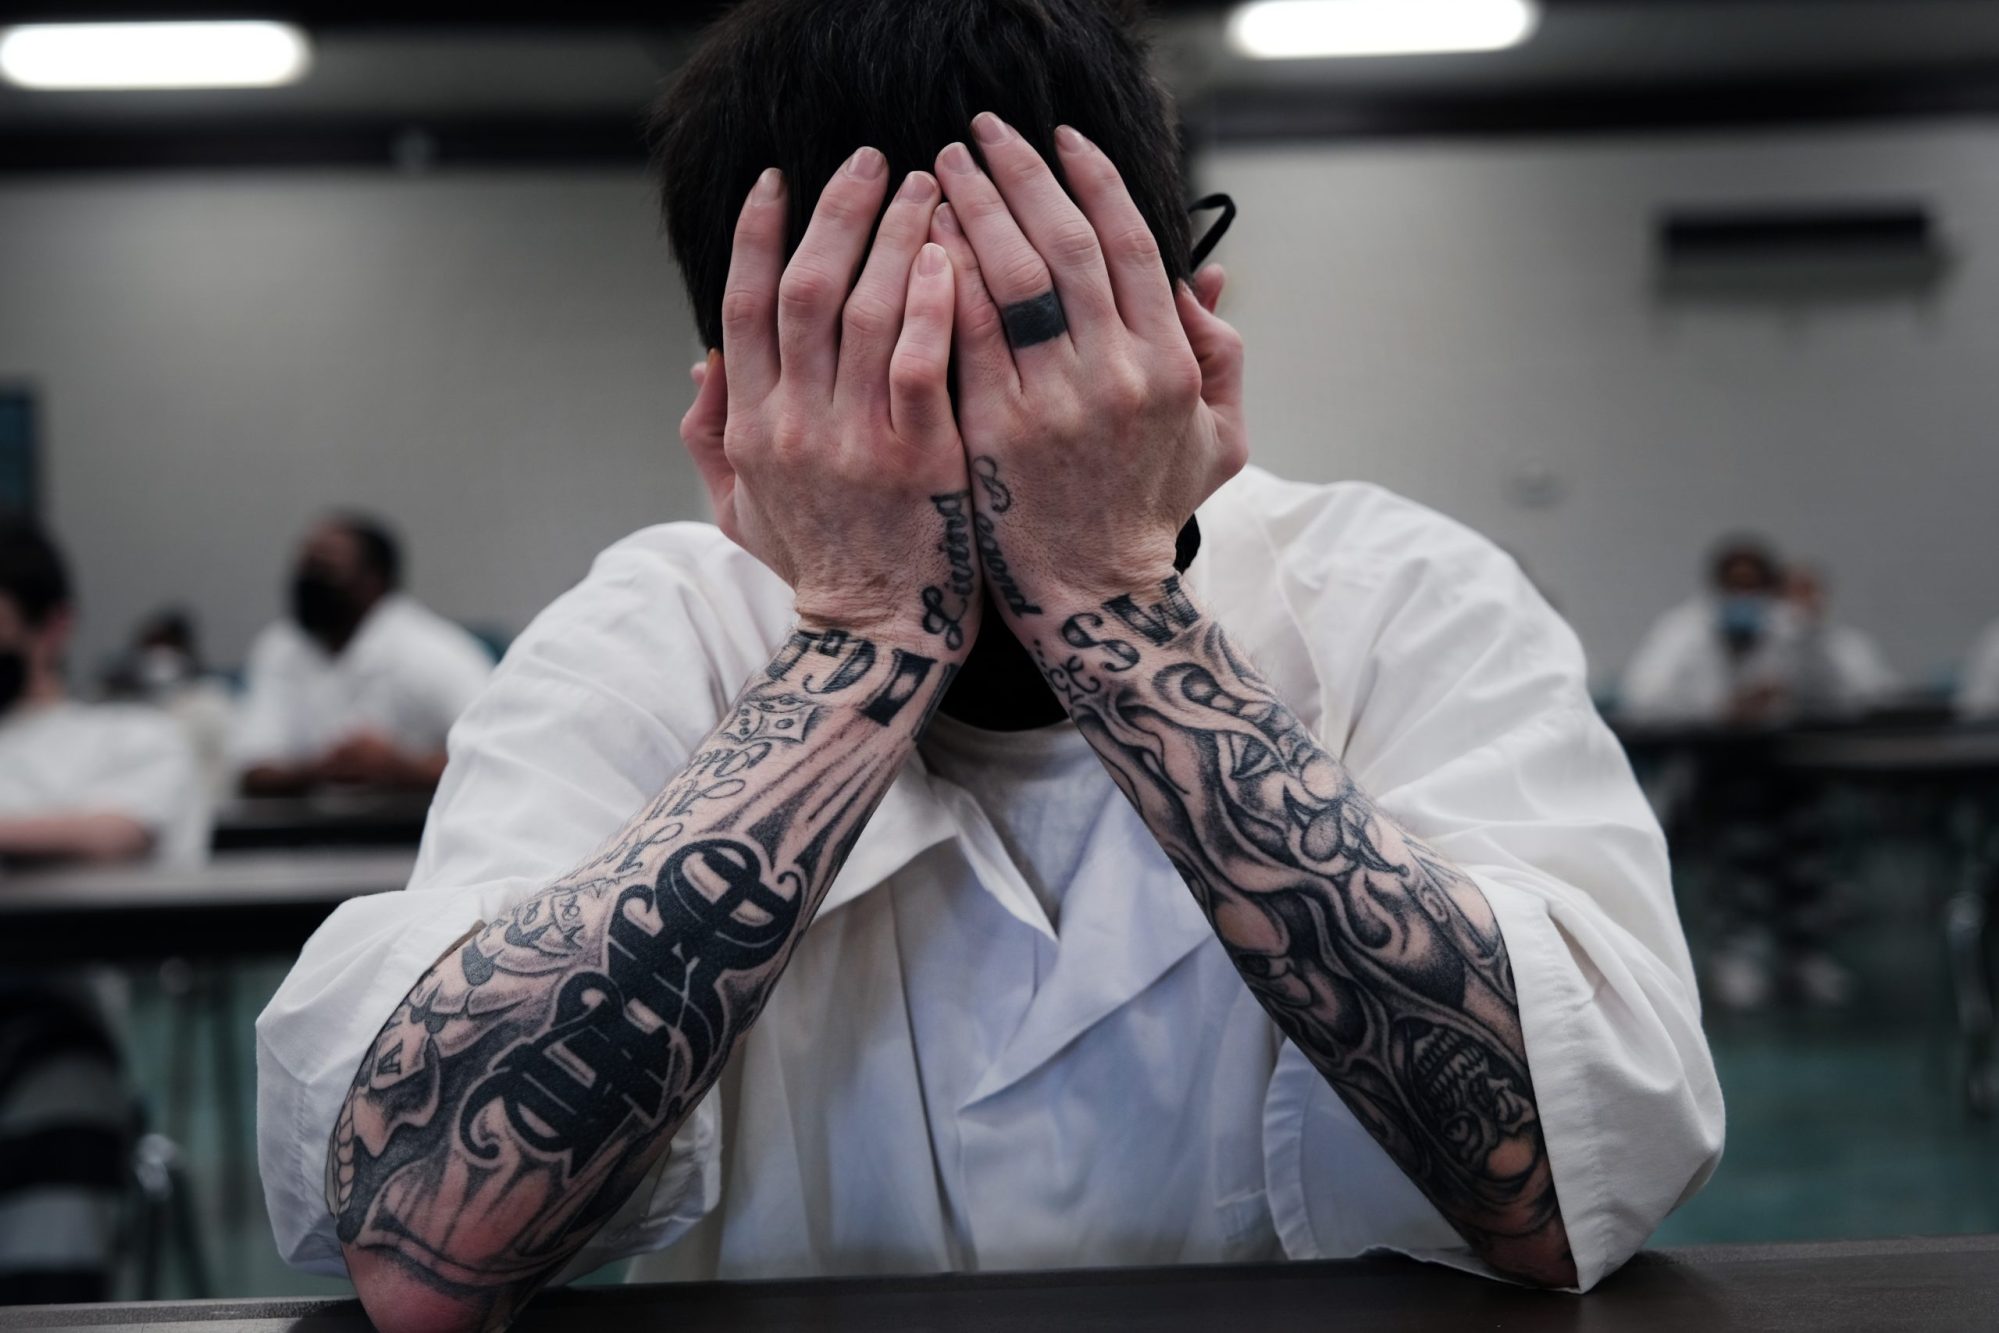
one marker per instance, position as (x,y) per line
(1683,670)
(407,673)
(72,758)
(941,1080)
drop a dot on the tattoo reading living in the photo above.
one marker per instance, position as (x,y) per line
(539,1068)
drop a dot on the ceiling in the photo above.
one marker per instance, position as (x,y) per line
(393,81)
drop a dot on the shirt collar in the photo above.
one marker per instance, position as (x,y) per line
(920,811)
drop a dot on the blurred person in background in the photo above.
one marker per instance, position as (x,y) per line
(1978,690)
(78,783)
(1756,646)
(164,667)
(359,686)
(1459,1020)
(89,782)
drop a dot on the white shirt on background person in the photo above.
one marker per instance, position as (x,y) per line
(407,673)
(943,1079)
(1978,693)
(72,758)
(1683,670)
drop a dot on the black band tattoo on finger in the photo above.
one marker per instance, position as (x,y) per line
(1038,319)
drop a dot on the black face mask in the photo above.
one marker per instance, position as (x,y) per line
(13,677)
(323,608)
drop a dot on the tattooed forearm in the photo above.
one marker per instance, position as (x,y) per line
(533,1076)
(1378,959)
(1005,583)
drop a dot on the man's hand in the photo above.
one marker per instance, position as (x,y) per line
(824,431)
(369,758)
(1099,407)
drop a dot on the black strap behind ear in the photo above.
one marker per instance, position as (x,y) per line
(1216,230)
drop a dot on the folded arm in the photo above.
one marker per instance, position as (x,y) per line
(532,1077)
(1379,960)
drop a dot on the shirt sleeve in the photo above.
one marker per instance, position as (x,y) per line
(1978,696)
(151,776)
(594,709)
(1662,682)
(1474,729)
(262,733)
(454,670)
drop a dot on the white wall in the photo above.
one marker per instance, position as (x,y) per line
(1443,317)
(498,363)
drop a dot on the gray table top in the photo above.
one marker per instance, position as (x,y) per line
(247,879)
(1881,1286)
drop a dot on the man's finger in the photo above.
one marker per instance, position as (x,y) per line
(919,374)
(1052,223)
(814,287)
(1217,346)
(1208,284)
(1021,284)
(873,314)
(1131,251)
(701,430)
(985,365)
(749,298)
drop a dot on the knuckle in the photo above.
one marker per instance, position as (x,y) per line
(913,372)
(1137,243)
(742,308)
(805,290)
(1025,275)
(1073,241)
(868,316)
(1180,379)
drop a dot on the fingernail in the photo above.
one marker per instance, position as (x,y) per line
(956,157)
(917,185)
(866,164)
(930,259)
(768,185)
(1071,138)
(947,221)
(990,128)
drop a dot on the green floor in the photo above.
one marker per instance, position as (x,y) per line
(1839,1126)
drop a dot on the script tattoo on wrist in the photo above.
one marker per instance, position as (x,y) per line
(1377,958)
(1005,584)
(945,608)
(532,1077)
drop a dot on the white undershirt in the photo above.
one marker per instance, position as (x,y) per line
(1043,789)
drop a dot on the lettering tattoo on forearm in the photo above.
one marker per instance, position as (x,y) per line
(1003,581)
(1380,961)
(532,1077)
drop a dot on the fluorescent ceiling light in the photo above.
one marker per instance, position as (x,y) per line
(153,55)
(1302,29)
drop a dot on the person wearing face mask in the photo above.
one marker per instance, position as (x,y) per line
(1755,647)
(164,668)
(78,783)
(361,683)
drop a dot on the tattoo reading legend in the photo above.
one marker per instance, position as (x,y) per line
(1005,585)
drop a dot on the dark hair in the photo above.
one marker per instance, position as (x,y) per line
(380,551)
(1732,551)
(32,573)
(800,84)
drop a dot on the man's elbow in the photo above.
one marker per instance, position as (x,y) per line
(1538,1263)
(401,1299)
